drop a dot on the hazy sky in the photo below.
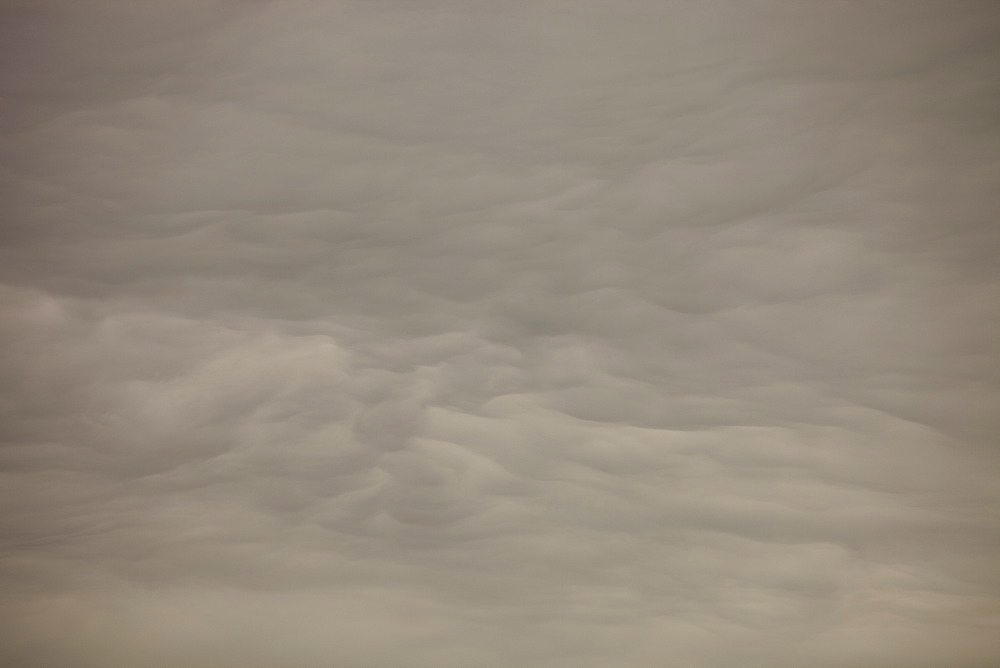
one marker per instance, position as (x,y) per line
(506,333)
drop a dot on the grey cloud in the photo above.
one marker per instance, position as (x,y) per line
(554,334)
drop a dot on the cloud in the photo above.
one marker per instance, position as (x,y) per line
(474,334)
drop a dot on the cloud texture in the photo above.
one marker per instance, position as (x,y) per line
(385,334)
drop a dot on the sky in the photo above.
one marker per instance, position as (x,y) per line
(475,334)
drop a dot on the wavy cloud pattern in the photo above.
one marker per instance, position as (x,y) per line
(385,334)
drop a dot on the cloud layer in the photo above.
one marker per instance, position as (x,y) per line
(388,334)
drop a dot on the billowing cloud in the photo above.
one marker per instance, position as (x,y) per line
(387,334)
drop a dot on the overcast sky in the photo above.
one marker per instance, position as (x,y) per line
(489,333)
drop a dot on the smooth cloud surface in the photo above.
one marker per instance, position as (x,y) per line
(461,334)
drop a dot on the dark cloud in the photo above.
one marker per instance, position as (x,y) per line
(474,334)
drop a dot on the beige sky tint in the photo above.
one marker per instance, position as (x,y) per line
(461,334)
